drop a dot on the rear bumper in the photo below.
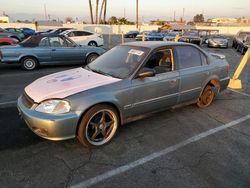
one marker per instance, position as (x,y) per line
(224,83)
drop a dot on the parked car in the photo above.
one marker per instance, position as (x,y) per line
(7,34)
(131,34)
(124,84)
(43,31)
(60,30)
(27,31)
(217,41)
(151,36)
(84,37)
(244,45)
(170,36)
(239,37)
(141,34)
(46,49)
(8,41)
(191,37)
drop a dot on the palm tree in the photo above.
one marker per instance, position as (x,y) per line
(100,15)
(91,12)
(96,11)
(105,11)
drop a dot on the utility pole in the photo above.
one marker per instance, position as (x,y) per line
(174,16)
(183,12)
(124,13)
(137,16)
(45,12)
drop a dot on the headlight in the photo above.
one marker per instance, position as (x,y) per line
(53,107)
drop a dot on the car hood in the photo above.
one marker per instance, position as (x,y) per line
(219,40)
(66,83)
(190,36)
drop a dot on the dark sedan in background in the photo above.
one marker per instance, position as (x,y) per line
(243,46)
(150,36)
(131,34)
(191,37)
(239,37)
(25,31)
(48,49)
(11,34)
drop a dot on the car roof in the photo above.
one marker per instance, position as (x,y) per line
(154,44)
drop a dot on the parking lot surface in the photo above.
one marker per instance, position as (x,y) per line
(181,147)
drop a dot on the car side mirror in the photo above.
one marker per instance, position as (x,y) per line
(146,73)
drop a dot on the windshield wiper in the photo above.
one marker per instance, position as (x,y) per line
(100,72)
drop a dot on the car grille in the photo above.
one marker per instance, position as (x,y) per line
(27,101)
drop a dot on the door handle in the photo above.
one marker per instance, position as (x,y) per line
(53,50)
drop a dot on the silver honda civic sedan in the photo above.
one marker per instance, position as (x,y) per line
(126,83)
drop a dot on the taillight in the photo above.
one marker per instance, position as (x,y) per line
(228,67)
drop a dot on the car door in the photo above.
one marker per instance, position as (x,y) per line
(194,71)
(159,91)
(43,51)
(81,37)
(64,52)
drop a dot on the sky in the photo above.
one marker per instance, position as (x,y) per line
(148,10)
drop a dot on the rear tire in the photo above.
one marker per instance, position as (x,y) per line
(29,63)
(206,97)
(92,43)
(91,58)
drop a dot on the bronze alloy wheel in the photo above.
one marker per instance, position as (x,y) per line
(206,97)
(98,126)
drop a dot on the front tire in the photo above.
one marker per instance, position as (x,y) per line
(206,97)
(98,126)
(29,63)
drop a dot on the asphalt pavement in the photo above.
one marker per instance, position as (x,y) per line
(181,147)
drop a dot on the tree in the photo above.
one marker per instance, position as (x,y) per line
(100,15)
(91,12)
(96,11)
(69,20)
(198,18)
(112,20)
(105,11)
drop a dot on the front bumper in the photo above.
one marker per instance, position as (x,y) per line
(222,45)
(49,126)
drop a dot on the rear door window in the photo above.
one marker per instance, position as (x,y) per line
(188,57)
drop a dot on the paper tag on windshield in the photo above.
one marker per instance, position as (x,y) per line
(136,52)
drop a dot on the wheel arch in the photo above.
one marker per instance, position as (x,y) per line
(93,42)
(100,103)
(25,56)
(214,82)
(15,37)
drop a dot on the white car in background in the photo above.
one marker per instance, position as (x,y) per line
(83,37)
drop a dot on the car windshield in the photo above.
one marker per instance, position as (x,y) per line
(119,62)
(218,37)
(247,39)
(191,34)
